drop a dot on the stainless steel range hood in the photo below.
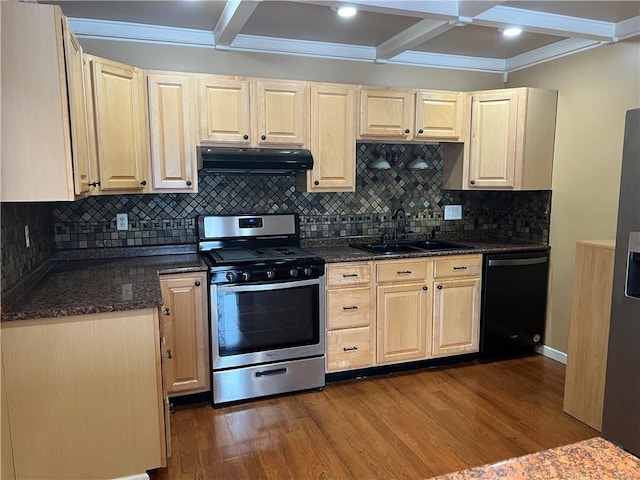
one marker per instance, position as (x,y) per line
(253,160)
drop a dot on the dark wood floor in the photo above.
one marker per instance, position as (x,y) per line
(410,425)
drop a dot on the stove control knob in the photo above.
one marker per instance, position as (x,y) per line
(246,276)
(271,274)
(308,271)
(232,277)
(293,272)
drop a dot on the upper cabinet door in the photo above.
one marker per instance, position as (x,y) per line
(171,129)
(332,138)
(439,115)
(120,125)
(386,113)
(281,109)
(224,110)
(77,110)
(492,152)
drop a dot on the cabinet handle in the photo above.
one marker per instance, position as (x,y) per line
(354,307)
(349,349)
(197,283)
(472,182)
(421,131)
(171,407)
(316,182)
(94,184)
(348,275)
(188,183)
(407,131)
(143,183)
(246,137)
(263,137)
(459,268)
(405,272)
(169,354)
(166,311)
(439,287)
(425,288)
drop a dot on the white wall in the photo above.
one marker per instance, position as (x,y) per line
(595,89)
(209,60)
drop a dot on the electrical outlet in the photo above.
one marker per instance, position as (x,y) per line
(452,212)
(27,239)
(122,221)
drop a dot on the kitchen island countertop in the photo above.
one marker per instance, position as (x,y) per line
(85,286)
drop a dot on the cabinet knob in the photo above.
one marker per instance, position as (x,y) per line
(472,182)
(263,137)
(169,354)
(165,311)
(407,131)
(188,183)
(246,137)
(316,182)
(197,283)
(439,287)
(94,184)
(425,288)
(143,183)
(421,131)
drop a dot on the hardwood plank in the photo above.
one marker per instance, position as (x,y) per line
(408,425)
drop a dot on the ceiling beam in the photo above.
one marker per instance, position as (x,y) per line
(628,28)
(407,8)
(233,17)
(472,8)
(546,23)
(413,36)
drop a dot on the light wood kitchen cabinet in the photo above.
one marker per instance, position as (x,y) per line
(252,112)
(385,113)
(403,310)
(456,305)
(84,395)
(185,333)
(6,461)
(332,139)
(439,115)
(172,132)
(589,332)
(117,94)
(510,142)
(349,310)
(44,122)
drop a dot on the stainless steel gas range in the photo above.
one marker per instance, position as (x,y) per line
(267,300)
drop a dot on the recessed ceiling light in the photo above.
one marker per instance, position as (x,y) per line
(511,31)
(347,11)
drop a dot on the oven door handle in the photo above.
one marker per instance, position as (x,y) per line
(269,286)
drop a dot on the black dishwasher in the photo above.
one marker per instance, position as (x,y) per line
(514,302)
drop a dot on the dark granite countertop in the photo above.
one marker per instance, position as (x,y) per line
(84,286)
(595,459)
(338,250)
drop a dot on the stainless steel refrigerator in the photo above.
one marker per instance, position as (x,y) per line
(621,419)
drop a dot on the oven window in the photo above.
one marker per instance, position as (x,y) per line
(254,321)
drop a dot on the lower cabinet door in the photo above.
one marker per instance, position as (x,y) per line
(456,316)
(349,349)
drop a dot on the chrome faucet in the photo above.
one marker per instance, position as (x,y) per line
(399,223)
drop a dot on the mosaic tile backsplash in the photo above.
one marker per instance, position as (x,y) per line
(17,259)
(171,218)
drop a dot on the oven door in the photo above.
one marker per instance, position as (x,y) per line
(253,324)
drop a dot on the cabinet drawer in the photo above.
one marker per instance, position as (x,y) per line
(349,307)
(402,271)
(349,349)
(348,274)
(459,266)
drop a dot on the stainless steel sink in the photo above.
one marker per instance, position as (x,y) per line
(385,248)
(408,247)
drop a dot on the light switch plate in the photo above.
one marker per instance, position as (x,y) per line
(452,212)
(122,221)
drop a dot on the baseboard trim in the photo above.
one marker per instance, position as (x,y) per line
(552,353)
(139,476)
